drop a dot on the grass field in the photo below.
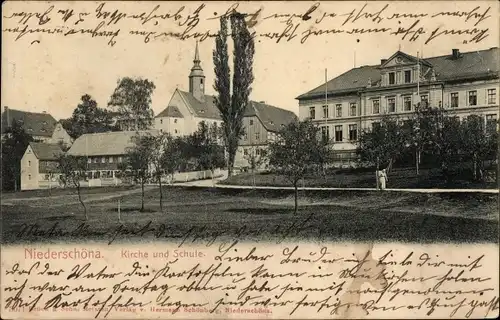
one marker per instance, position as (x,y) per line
(399,178)
(207,213)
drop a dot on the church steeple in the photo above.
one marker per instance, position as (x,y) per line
(197,78)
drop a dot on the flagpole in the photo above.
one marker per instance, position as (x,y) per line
(418,76)
(326,101)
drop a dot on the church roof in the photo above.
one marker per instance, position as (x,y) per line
(203,109)
(46,151)
(271,117)
(35,124)
(170,111)
(469,65)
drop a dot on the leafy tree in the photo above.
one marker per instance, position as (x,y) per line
(137,161)
(383,144)
(449,144)
(255,158)
(14,144)
(155,146)
(73,171)
(478,144)
(296,151)
(426,124)
(88,118)
(172,155)
(232,106)
(132,100)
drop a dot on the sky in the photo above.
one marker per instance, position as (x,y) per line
(47,72)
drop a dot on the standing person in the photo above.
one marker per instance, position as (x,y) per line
(383,179)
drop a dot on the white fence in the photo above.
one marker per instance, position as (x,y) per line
(192,176)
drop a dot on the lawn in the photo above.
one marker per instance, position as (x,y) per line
(399,178)
(208,213)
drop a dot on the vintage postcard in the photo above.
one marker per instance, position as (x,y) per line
(252,160)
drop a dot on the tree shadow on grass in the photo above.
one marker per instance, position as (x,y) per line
(146,210)
(65,217)
(261,211)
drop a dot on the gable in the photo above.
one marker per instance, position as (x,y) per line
(399,60)
(176,107)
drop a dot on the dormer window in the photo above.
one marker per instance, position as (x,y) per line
(392,78)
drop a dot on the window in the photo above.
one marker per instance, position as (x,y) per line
(325,112)
(29,176)
(201,80)
(391,104)
(407,103)
(392,78)
(312,113)
(492,96)
(95,160)
(251,122)
(407,76)
(110,160)
(245,152)
(472,98)
(161,121)
(454,99)
(424,99)
(325,133)
(375,106)
(103,160)
(89,160)
(29,163)
(245,135)
(257,135)
(338,133)
(120,159)
(352,109)
(339,111)
(491,122)
(353,132)
(175,131)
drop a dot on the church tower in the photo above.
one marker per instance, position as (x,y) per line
(197,78)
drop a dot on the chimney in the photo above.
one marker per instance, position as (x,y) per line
(382,61)
(455,53)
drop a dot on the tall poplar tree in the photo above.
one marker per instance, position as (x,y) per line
(232,106)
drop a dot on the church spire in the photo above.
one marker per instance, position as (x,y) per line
(197,78)
(196,55)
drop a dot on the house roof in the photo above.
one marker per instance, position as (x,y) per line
(35,124)
(271,117)
(468,65)
(106,143)
(46,151)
